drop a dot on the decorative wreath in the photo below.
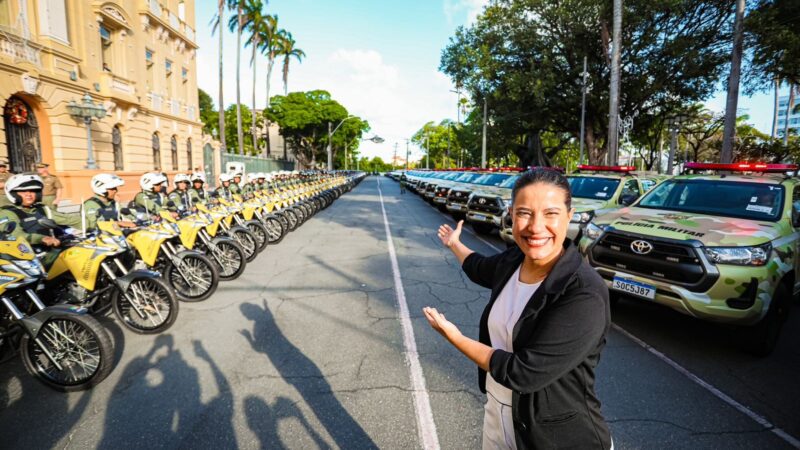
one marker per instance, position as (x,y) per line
(17,112)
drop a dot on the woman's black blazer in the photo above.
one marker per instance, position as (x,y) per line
(557,342)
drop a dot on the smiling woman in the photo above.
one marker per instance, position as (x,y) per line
(544,327)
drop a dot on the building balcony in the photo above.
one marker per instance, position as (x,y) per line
(169,20)
(15,47)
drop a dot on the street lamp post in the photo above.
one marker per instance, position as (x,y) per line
(330,137)
(376,139)
(87,110)
(584,75)
(674,123)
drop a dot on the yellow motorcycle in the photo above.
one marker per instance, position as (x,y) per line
(61,345)
(243,214)
(222,222)
(92,271)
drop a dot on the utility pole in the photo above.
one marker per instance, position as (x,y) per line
(406,154)
(330,151)
(584,75)
(729,133)
(427,153)
(613,102)
(483,142)
(345,156)
(394,160)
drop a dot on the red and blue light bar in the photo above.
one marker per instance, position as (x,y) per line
(606,168)
(743,167)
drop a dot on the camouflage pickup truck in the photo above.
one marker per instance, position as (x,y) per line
(720,245)
(597,190)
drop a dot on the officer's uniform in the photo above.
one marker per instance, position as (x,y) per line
(180,199)
(151,202)
(4,176)
(99,209)
(225,192)
(235,189)
(198,195)
(31,230)
(51,185)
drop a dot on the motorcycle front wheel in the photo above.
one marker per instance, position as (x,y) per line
(148,306)
(274,229)
(196,278)
(260,232)
(247,240)
(79,344)
(230,259)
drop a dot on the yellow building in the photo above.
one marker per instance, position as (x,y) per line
(136,58)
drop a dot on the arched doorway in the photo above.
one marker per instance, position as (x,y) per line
(22,135)
(189,166)
(116,143)
(156,152)
(173,144)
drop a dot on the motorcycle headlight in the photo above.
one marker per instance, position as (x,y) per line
(593,231)
(739,256)
(582,217)
(32,268)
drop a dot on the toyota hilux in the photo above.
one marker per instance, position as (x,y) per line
(719,244)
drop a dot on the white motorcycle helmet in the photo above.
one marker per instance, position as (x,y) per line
(252,177)
(23,182)
(150,179)
(199,176)
(223,177)
(262,176)
(181,178)
(102,182)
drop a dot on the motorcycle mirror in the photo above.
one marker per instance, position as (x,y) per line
(171,204)
(48,223)
(126,211)
(214,194)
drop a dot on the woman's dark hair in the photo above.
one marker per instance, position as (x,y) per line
(543,175)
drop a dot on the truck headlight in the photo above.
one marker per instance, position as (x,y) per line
(740,256)
(582,217)
(593,231)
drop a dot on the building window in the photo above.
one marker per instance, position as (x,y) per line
(148,56)
(52,19)
(168,67)
(184,74)
(156,152)
(106,48)
(116,143)
(174,152)
(189,154)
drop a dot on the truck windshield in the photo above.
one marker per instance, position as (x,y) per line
(593,187)
(757,201)
(509,183)
(492,179)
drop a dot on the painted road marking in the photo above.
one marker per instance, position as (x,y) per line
(791,440)
(422,404)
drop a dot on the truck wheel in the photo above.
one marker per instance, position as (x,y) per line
(761,339)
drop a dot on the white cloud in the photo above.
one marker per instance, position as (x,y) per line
(472,8)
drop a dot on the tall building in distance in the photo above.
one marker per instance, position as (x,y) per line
(135,58)
(794,116)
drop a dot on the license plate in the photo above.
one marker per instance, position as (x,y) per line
(634,288)
(479,217)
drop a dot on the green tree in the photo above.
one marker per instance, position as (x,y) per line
(272,41)
(208,115)
(254,20)
(236,23)
(304,118)
(216,24)
(289,50)
(526,56)
(233,142)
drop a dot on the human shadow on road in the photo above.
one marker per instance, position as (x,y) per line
(156,403)
(263,420)
(301,372)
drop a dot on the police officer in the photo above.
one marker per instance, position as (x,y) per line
(151,199)
(4,176)
(103,206)
(197,193)
(224,190)
(250,188)
(51,194)
(24,191)
(180,195)
(236,184)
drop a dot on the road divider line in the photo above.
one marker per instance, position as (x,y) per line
(422,404)
(791,440)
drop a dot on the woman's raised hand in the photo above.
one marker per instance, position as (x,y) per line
(449,236)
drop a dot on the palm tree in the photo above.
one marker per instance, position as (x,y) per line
(215,23)
(287,51)
(272,39)
(254,21)
(236,23)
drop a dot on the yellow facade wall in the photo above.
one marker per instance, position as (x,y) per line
(47,62)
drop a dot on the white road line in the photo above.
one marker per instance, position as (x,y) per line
(791,440)
(422,404)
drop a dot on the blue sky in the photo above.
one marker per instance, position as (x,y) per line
(379,58)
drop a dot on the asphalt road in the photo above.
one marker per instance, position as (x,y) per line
(306,350)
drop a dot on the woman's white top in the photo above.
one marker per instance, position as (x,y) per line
(502,318)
